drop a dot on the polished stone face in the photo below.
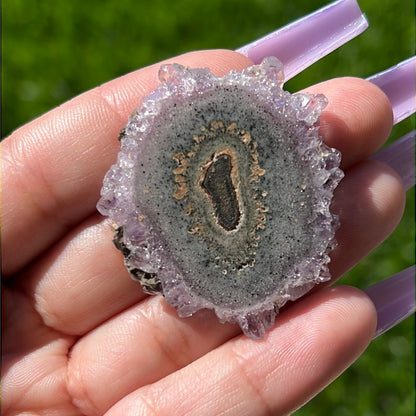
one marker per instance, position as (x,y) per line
(221,194)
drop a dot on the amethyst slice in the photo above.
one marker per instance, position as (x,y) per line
(220,195)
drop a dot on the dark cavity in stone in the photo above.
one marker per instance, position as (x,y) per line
(218,184)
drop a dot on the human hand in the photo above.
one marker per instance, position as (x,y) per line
(80,337)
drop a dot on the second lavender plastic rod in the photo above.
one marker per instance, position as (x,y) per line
(398,83)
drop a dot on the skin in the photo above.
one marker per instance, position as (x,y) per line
(81,338)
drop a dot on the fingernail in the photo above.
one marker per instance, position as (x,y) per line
(305,41)
(400,155)
(398,83)
(394,299)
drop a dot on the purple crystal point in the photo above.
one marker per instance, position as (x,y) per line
(221,193)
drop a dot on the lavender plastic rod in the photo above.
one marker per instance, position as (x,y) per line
(398,83)
(305,41)
(400,155)
(394,299)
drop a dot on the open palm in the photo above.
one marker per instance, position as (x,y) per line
(81,338)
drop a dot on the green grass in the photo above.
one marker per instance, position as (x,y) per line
(54,50)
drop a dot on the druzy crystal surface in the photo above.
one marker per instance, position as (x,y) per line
(220,195)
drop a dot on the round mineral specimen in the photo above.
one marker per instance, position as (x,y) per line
(220,196)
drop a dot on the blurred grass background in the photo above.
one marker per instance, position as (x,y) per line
(54,50)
